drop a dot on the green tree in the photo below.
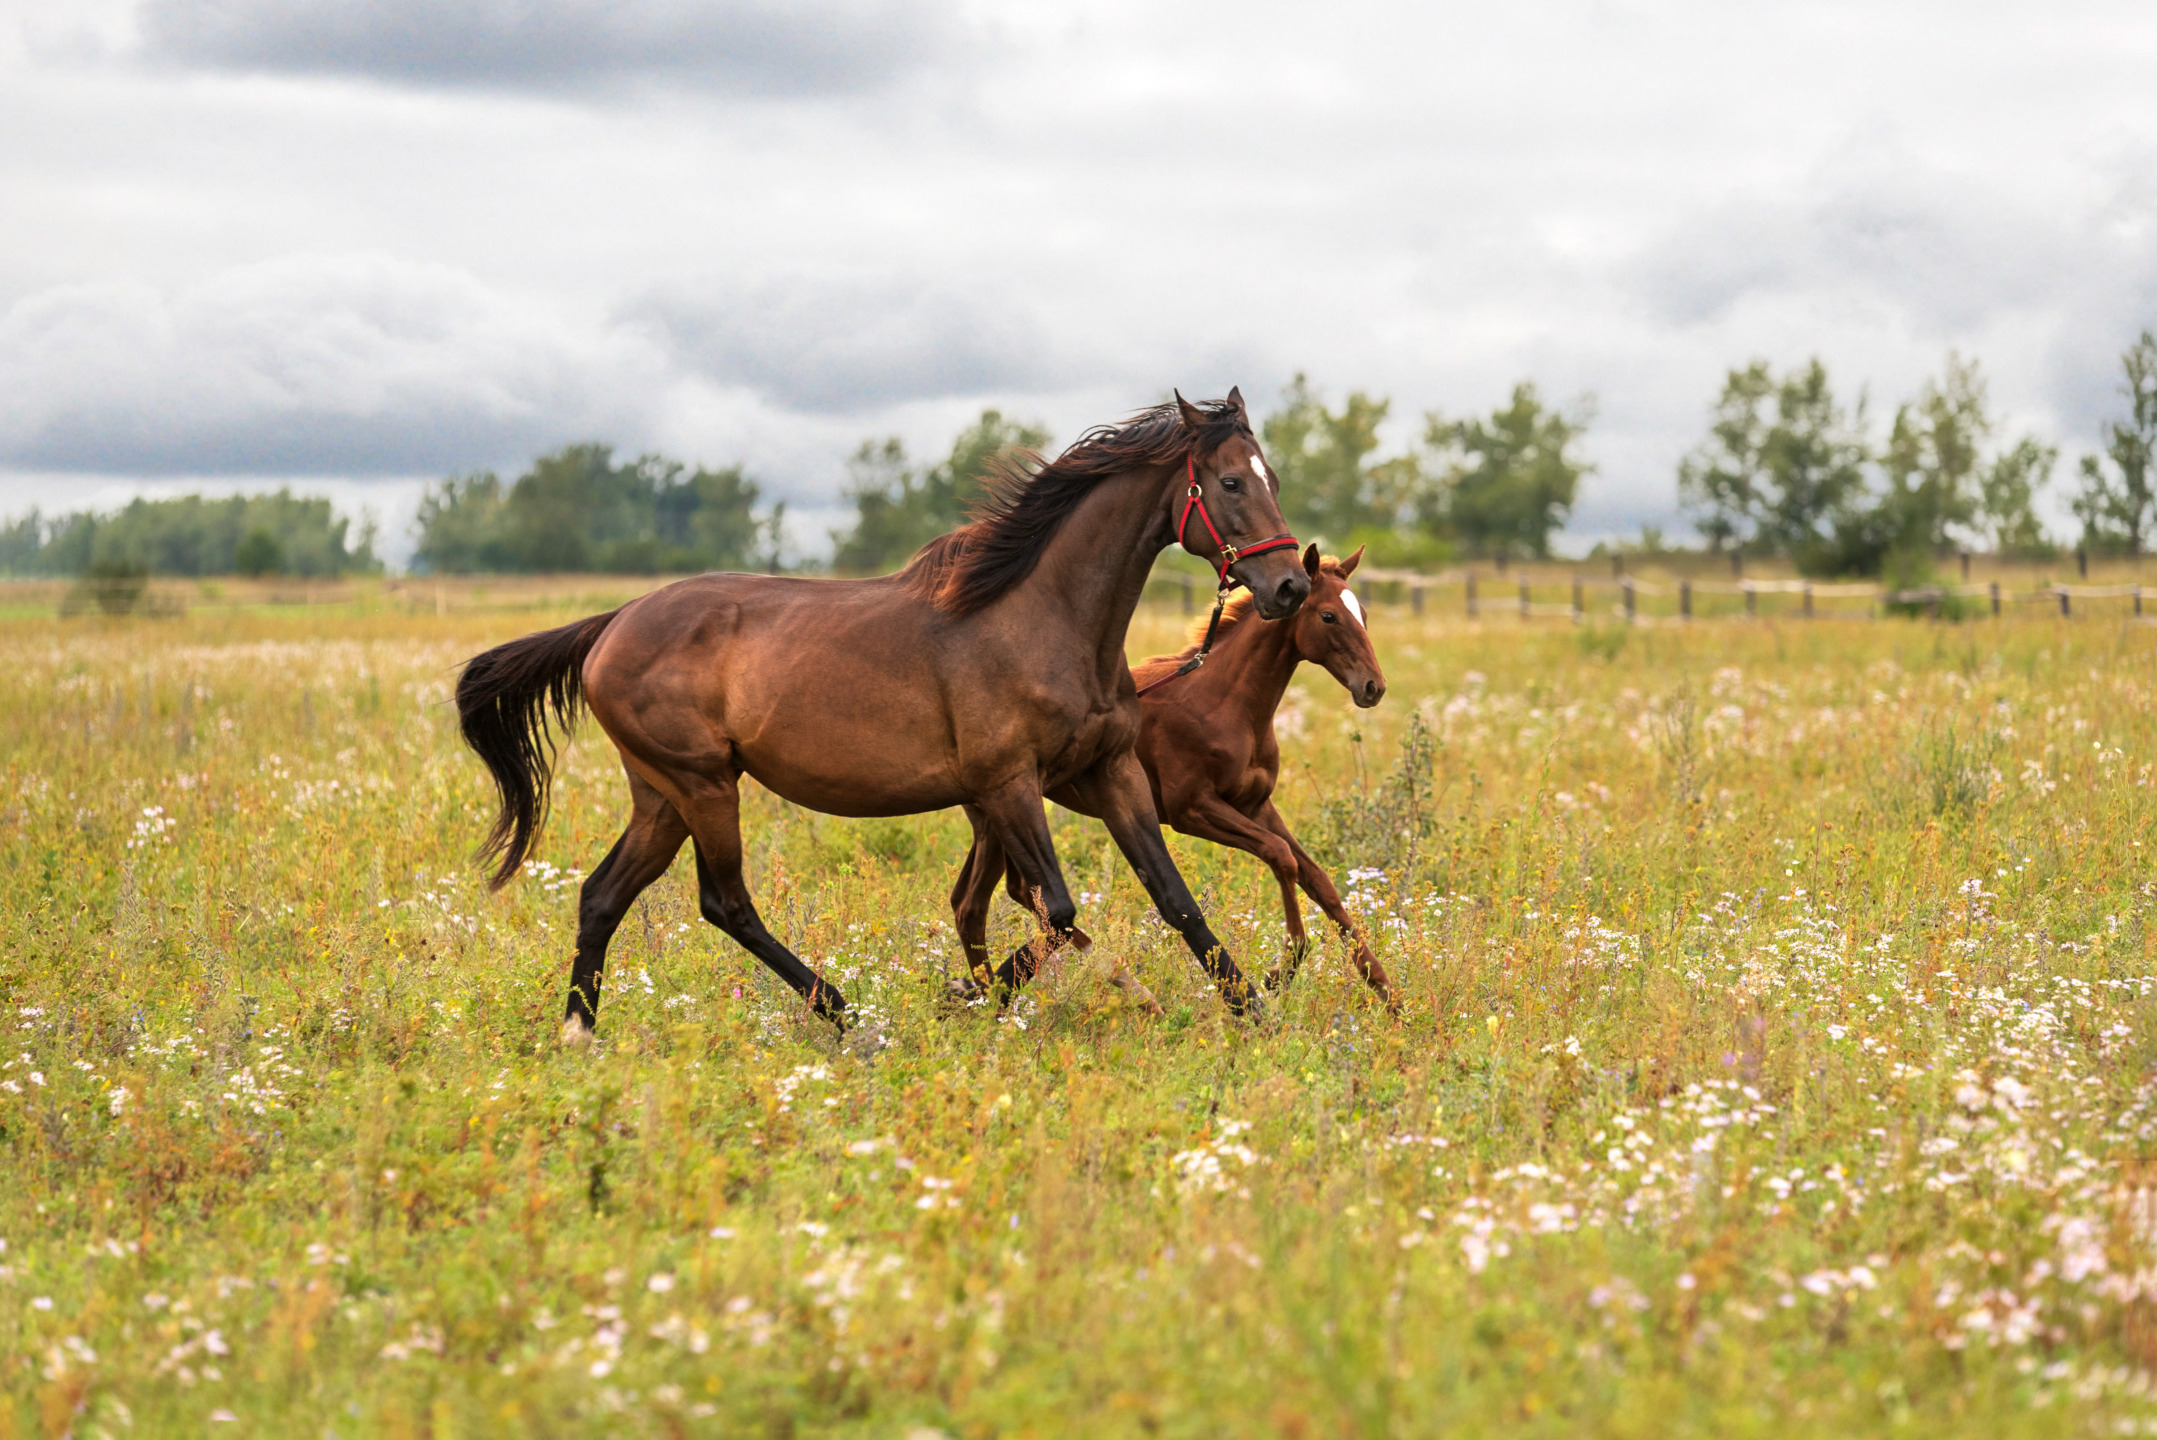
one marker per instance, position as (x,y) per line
(2008,488)
(576,510)
(1505,483)
(1933,457)
(898,509)
(1329,484)
(258,554)
(2116,505)
(1782,462)
(460,526)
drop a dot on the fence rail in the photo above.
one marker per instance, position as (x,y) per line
(1486,593)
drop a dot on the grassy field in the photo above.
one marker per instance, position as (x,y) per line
(1776,1059)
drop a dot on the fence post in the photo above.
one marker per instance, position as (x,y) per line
(1808,599)
(1685,599)
(1965,567)
(1631,602)
(1415,600)
(1737,564)
(2082,564)
(2138,597)
(1186,594)
(1523,599)
(1995,599)
(2065,608)
(1617,564)
(1471,595)
(1580,611)
(1752,602)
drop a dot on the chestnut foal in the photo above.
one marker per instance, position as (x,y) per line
(1206,740)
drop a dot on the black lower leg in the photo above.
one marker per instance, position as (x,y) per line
(595,928)
(734,914)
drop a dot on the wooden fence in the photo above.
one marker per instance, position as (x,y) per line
(1637,601)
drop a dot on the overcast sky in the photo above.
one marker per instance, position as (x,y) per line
(354,244)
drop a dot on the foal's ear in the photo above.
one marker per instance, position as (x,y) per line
(1348,566)
(1193,417)
(1310,561)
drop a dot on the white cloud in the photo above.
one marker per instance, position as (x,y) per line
(854,342)
(334,365)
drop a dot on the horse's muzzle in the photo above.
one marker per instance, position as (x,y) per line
(1281,598)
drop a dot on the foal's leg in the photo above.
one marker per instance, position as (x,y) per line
(647,847)
(1118,792)
(713,811)
(1209,817)
(1320,887)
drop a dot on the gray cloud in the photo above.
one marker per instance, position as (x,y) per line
(323,366)
(771,47)
(849,343)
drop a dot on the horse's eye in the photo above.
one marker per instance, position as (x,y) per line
(1329,617)
(1231,483)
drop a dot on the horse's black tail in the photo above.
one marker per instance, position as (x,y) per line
(503,701)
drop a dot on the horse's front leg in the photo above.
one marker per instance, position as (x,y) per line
(1117,791)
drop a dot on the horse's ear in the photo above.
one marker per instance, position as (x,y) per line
(1310,561)
(1193,417)
(1235,403)
(1348,566)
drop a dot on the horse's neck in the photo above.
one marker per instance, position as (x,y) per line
(1097,564)
(1251,667)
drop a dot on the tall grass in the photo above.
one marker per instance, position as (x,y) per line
(1777,1059)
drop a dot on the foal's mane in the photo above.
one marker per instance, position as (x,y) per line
(1027,500)
(1235,613)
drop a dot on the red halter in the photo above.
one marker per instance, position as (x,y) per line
(1229,554)
(1194,499)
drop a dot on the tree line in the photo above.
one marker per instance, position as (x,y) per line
(1787,468)
(280,534)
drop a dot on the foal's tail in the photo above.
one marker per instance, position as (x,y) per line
(503,701)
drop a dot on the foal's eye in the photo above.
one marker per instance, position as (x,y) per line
(1329,617)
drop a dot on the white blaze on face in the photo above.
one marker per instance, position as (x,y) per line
(1353,606)
(1258,468)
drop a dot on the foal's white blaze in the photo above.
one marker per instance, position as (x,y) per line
(1354,607)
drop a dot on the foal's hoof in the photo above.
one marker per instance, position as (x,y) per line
(962,995)
(1274,980)
(576,1035)
(866,1042)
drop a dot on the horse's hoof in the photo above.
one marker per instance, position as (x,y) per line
(576,1035)
(1080,940)
(1275,980)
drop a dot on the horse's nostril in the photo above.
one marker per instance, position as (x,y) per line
(1292,591)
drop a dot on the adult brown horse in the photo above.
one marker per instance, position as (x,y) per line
(987,673)
(1206,740)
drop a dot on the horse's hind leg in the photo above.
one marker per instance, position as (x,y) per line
(655,832)
(1022,828)
(970,896)
(714,816)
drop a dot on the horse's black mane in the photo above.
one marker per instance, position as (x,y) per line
(1028,500)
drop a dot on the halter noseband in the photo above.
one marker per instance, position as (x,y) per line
(1194,499)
